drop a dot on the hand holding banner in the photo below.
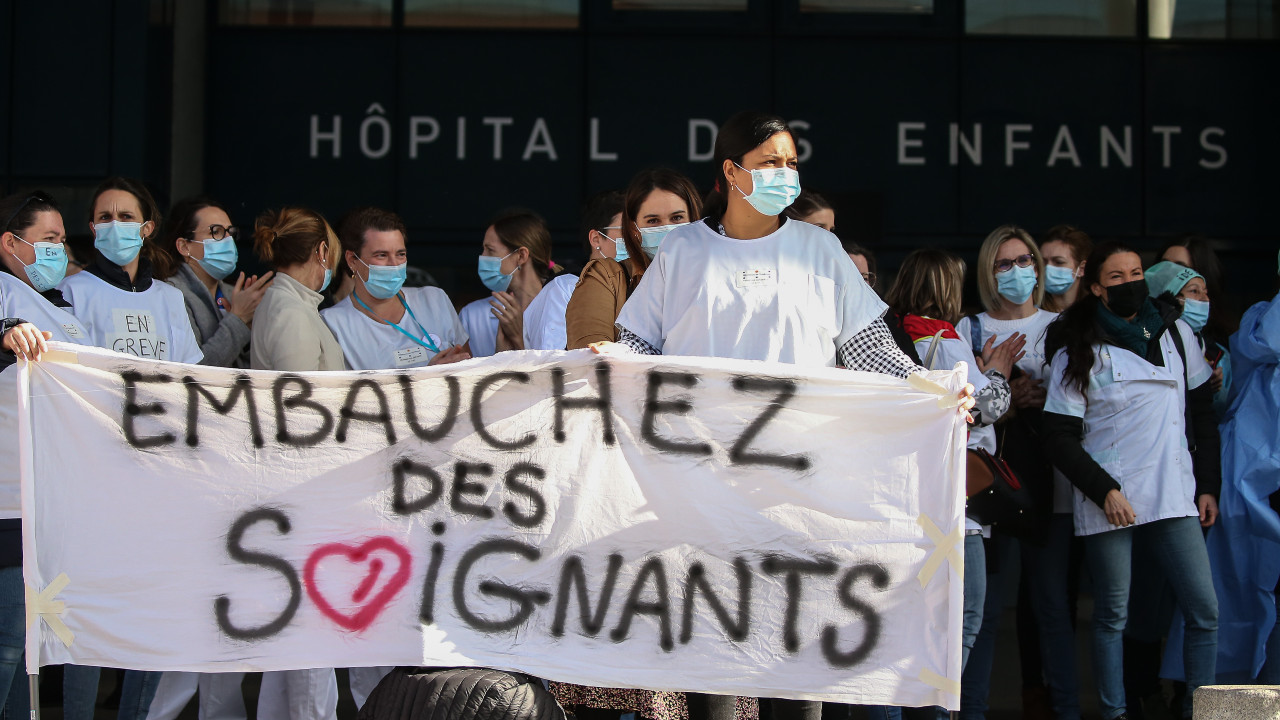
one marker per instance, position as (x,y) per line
(668,523)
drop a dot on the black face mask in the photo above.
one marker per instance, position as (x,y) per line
(1125,299)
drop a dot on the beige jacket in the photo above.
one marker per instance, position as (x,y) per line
(288,333)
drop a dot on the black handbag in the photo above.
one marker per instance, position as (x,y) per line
(1006,504)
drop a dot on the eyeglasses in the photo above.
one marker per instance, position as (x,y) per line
(1021,261)
(870,278)
(218,232)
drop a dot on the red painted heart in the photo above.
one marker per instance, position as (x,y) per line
(361,608)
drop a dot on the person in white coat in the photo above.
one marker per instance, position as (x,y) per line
(33,261)
(1129,421)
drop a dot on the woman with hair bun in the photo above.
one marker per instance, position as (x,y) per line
(290,334)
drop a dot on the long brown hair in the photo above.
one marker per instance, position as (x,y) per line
(643,185)
(930,283)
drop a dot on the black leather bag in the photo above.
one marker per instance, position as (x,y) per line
(1007,504)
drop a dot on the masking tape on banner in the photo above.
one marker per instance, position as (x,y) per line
(946,399)
(61,356)
(42,605)
(934,680)
(948,548)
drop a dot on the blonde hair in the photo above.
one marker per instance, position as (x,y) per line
(289,236)
(986,270)
(930,283)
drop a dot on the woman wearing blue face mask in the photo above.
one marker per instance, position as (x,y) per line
(514,264)
(382,324)
(1010,274)
(1064,249)
(117,298)
(122,307)
(201,242)
(33,261)
(289,334)
(1190,290)
(746,283)
(657,201)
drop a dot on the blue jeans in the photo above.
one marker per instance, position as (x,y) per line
(975,684)
(136,695)
(79,691)
(1178,548)
(975,596)
(1047,572)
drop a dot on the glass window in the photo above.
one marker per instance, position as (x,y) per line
(349,13)
(1211,19)
(919,7)
(1107,18)
(669,5)
(491,13)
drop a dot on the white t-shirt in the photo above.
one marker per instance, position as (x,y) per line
(150,324)
(1134,415)
(479,323)
(19,300)
(1032,363)
(544,324)
(370,345)
(791,296)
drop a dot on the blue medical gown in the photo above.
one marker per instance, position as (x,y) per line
(1244,544)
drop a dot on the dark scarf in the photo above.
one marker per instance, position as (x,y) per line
(1141,335)
(114,275)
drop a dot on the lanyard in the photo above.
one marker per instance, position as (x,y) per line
(425,341)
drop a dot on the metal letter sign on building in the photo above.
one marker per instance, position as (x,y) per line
(921,131)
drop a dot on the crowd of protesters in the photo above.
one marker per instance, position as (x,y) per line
(1138,415)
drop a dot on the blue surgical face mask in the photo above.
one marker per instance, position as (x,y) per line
(1196,313)
(651,237)
(772,189)
(620,253)
(1058,280)
(119,242)
(328,274)
(219,257)
(384,281)
(490,269)
(1017,283)
(50,266)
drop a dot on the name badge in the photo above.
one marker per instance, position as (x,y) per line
(748,279)
(413,355)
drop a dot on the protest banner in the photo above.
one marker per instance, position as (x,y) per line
(667,523)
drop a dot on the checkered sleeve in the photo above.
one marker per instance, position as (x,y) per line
(873,349)
(636,343)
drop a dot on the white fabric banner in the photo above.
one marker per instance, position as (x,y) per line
(667,523)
